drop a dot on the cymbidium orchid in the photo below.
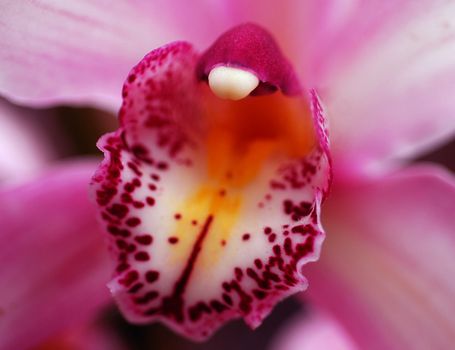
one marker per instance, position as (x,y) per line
(211,189)
(212,205)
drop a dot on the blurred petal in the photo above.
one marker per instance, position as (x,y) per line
(53,262)
(205,225)
(24,148)
(81,51)
(390,77)
(387,268)
(313,331)
(91,336)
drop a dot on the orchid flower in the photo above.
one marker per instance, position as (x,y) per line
(230,238)
(385,74)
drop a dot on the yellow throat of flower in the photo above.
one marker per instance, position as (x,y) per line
(242,136)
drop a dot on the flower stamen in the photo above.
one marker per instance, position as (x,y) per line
(232,83)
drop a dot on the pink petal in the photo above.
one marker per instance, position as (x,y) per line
(388,76)
(388,264)
(52,257)
(313,331)
(24,148)
(80,52)
(180,263)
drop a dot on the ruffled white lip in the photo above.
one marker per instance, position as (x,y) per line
(187,252)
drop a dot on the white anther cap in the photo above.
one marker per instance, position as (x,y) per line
(232,83)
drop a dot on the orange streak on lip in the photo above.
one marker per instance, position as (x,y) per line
(243,135)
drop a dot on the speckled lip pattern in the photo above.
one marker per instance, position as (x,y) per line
(194,281)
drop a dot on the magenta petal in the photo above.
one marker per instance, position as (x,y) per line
(251,47)
(53,264)
(89,336)
(193,266)
(388,266)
